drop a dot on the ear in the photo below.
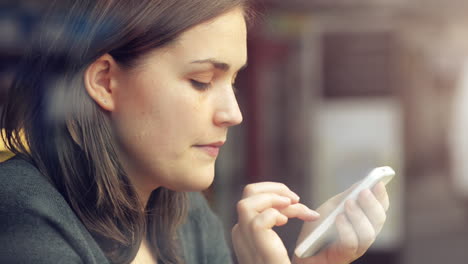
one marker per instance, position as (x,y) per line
(100,81)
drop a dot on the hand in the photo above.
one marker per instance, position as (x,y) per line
(263,206)
(357,227)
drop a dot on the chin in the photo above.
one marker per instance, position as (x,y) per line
(201,184)
(193,182)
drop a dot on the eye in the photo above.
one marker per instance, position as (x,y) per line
(200,85)
(233,84)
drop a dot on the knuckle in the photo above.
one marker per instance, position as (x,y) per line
(383,197)
(271,212)
(274,196)
(256,224)
(368,237)
(249,189)
(283,186)
(242,207)
(351,247)
(386,205)
(381,220)
(259,222)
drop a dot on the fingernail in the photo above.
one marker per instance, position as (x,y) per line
(296,197)
(313,213)
(285,199)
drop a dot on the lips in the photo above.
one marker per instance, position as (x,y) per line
(211,149)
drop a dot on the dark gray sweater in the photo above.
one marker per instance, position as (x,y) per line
(38,226)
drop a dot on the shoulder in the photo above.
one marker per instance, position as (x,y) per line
(25,191)
(35,218)
(23,187)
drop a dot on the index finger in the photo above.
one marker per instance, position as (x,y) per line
(270,187)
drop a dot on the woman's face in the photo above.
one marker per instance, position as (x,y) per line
(172,111)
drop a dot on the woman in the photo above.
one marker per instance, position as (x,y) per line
(124,106)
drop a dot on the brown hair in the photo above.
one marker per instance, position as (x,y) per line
(68,136)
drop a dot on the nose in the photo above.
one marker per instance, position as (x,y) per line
(227,112)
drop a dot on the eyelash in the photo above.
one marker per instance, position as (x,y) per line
(234,88)
(201,86)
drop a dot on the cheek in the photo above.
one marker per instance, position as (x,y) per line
(134,117)
(158,120)
(157,134)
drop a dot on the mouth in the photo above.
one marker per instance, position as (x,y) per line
(211,149)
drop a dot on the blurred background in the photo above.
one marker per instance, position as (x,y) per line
(333,89)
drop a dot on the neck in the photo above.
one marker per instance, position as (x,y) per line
(143,185)
(144,195)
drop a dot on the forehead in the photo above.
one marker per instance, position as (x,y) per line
(223,38)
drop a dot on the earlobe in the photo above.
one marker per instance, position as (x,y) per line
(99,80)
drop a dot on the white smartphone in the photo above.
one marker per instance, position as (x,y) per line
(324,231)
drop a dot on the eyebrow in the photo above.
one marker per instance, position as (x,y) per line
(218,64)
